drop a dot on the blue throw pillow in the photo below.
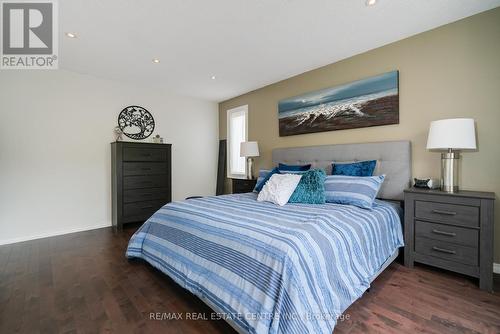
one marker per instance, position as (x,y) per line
(311,188)
(294,168)
(359,191)
(264,176)
(361,168)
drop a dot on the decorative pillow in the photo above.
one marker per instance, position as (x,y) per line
(353,190)
(264,176)
(311,188)
(279,188)
(359,168)
(294,168)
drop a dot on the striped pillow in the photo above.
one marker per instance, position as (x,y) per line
(359,191)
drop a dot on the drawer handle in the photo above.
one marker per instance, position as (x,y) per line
(147,182)
(449,234)
(147,195)
(146,154)
(146,168)
(443,250)
(442,212)
(146,207)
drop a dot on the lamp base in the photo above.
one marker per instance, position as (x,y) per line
(249,168)
(449,171)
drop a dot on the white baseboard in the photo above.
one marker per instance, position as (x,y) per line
(53,234)
(496,268)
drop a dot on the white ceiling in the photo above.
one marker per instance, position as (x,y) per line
(247,44)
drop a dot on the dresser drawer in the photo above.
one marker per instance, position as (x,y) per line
(148,194)
(448,213)
(144,154)
(447,250)
(138,182)
(141,210)
(457,235)
(144,168)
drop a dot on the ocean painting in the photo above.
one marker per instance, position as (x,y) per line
(369,102)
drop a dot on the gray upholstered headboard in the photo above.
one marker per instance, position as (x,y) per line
(393,160)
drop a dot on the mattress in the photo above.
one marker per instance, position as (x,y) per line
(271,269)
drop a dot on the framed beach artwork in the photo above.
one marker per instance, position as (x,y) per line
(368,102)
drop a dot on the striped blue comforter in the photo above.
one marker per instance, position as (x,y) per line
(270,269)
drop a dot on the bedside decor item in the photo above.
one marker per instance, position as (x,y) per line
(428,183)
(279,188)
(451,135)
(136,122)
(141,180)
(452,231)
(249,150)
(368,102)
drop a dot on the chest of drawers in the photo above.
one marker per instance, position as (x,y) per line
(451,231)
(141,180)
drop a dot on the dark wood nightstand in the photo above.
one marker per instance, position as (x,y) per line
(243,185)
(452,231)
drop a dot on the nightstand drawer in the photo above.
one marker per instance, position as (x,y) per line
(457,235)
(243,186)
(447,250)
(448,213)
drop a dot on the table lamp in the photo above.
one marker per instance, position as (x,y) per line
(249,149)
(451,135)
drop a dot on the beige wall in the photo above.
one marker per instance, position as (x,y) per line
(452,71)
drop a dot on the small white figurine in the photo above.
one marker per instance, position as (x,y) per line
(118,134)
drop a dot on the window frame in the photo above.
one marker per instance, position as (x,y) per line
(229,114)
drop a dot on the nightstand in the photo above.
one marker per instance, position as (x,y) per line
(243,185)
(452,231)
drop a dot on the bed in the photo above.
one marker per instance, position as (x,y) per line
(290,269)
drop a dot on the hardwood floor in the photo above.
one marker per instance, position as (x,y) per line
(82,283)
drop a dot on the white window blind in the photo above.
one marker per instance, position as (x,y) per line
(237,126)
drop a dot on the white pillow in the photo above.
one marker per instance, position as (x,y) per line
(279,188)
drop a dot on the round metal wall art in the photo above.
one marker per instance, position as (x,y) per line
(136,122)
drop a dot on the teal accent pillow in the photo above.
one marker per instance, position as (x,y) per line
(293,168)
(360,168)
(311,188)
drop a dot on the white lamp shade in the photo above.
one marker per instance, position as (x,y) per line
(455,133)
(249,149)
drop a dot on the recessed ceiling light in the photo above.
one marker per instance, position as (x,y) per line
(156,60)
(213,77)
(371,2)
(70,35)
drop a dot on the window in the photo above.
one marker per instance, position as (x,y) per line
(237,132)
